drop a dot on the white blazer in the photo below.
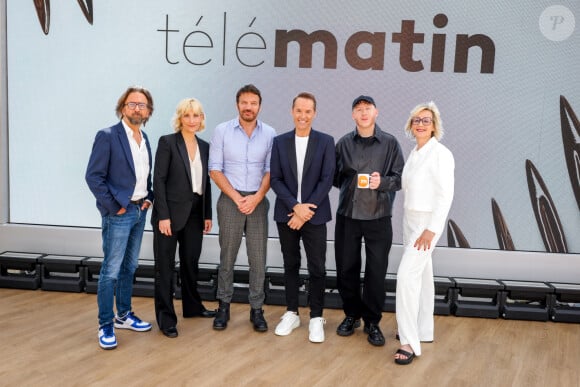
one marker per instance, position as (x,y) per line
(428,182)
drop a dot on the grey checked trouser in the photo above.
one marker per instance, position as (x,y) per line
(232,227)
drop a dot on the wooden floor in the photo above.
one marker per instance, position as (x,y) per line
(50,339)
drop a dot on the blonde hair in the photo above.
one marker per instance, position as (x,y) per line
(437,123)
(184,106)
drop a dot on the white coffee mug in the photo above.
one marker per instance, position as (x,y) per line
(363,180)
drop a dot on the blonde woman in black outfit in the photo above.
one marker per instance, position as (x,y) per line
(181,214)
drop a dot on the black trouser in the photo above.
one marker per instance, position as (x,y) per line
(314,240)
(378,237)
(190,241)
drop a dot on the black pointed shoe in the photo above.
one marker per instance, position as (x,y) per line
(170,332)
(207,314)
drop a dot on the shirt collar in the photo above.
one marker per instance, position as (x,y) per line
(374,136)
(238,126)
(128,130)
(430,144)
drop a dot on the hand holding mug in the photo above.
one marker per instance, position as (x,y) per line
(374,180)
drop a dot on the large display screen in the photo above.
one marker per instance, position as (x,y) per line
(504,75)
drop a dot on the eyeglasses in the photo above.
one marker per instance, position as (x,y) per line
(134,105)
(424,120)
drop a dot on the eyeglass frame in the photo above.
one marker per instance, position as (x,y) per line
(419,120)
(140,105)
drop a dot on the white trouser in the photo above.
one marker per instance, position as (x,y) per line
(415,288)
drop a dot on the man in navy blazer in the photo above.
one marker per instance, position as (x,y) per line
(119,176)
(301,174)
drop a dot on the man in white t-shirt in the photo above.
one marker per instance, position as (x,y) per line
(301,174)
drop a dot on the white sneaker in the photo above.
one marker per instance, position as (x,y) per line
(316,330)
(289,322)
(132,322)
(107,338)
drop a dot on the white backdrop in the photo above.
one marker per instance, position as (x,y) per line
(63,86)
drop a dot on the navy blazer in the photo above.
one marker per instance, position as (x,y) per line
(172,182)
(317,175)
(111,172)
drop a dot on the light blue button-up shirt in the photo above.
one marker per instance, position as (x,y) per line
(243,160)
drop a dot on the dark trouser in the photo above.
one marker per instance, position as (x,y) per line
(164,247)
(314,239)
(378,236)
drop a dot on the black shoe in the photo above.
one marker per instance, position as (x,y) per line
(347,326)
(375,335)
(170,332)
(257,318)
(205,314)
(409,357)
(222,316)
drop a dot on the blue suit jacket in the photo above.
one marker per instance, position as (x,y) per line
(317,175)
(111,172)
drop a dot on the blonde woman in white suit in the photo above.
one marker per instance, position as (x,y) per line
(427,183)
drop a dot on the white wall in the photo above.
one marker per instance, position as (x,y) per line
(494,121)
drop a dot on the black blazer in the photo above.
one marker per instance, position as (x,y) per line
(172,182)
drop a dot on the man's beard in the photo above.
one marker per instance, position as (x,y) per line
(136,120)
(252,116)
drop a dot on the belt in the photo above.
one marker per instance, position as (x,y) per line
(246,193)
(138,202)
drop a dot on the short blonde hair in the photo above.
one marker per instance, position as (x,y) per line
(437,123)
(184,106)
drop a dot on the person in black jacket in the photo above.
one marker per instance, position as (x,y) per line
(181,214)
(369,164)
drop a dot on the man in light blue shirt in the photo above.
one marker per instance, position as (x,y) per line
(239,164)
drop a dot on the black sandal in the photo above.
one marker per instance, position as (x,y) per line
(408,360)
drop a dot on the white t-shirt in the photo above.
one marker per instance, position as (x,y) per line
(301,145)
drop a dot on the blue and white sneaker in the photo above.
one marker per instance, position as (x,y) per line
(107,339)
(132,322)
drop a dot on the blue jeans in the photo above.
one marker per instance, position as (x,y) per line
(122,235)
